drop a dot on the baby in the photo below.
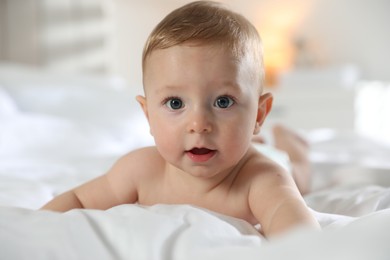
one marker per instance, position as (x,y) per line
(202,76)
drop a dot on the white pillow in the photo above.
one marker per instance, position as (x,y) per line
(37,135)
(109,106)
(7,104)
(96,99)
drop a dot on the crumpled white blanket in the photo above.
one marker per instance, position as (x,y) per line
(181,232)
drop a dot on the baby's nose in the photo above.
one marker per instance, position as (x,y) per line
(199,122)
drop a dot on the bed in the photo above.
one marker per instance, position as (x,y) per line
(60,130)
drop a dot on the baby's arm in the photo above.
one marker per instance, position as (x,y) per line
(111,189)
(277,203)
(64,202)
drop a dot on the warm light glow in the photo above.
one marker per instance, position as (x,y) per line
(278,55)
(277,26)
(278,50)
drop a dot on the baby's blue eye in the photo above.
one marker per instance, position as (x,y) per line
(174,103)
(224,102)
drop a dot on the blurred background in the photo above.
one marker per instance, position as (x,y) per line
(327,61)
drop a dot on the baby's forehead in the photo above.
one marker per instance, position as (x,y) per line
(215,54)
(208,49)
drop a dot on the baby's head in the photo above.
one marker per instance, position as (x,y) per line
(209,23)
(203,73)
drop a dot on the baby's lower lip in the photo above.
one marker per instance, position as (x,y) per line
(200,155)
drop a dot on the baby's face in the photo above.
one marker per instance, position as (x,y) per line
(202,106)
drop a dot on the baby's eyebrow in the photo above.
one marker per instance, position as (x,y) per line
(234,86)
(228,85)
(168,88)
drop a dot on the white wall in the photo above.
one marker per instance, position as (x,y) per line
(342,31)
(132,23)
(353,31)
(2,28)
(67,35)
(19,44)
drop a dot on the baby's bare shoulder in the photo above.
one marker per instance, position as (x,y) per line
(261,170)
(138,164)
(145,153)
(258,164)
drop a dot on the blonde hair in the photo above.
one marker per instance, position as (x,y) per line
(208,22)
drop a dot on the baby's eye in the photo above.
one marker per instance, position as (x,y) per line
(174,103)
(224,102)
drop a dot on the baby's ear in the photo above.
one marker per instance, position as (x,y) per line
(142,101)
(265,105)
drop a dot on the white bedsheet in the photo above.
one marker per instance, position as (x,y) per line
(56,136)
(181,232)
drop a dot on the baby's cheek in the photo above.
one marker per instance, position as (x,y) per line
(167,144)
(238,141)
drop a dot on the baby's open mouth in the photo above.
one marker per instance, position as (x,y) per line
(200,154)
(200,151)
